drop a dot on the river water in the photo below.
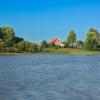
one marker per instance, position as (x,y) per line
(50,77)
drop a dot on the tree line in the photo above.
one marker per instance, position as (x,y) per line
(92,41)
(9,42)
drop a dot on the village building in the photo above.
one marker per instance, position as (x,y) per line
(57,42)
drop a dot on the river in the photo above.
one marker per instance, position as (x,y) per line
(50,77)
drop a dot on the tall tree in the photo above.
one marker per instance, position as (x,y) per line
(8,34)
(92,39)
(71,39)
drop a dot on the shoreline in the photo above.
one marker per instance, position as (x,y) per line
(61,51)
(49,54)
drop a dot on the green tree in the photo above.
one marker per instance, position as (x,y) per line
(18,39)
(8,35)
(27,46)
(80,44)
(71,39)
(66,44)
(2,46)
(21,46)
(1,33)
(44,44)
(24,46)
(92,39)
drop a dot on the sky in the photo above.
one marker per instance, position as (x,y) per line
(37,20)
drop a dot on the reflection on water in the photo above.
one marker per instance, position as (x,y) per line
(50,77)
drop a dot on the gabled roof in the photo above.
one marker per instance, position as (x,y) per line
(54,40)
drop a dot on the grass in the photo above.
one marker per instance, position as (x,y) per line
(69,51)
(60,51)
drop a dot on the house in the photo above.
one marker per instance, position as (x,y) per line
(57,42)
(73,44)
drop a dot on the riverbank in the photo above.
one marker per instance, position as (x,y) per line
(58,51)
(69,51)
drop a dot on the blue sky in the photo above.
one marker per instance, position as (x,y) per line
(37,20)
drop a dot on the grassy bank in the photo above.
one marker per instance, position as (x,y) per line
(59,51)
(69,51)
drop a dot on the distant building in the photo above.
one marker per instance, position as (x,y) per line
(73,44)
(57,42)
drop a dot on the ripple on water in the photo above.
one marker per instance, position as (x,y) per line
(50,77)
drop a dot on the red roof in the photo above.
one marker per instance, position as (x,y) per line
(54,40)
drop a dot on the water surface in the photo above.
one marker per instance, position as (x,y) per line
(50,77)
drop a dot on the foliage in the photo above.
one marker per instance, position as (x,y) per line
(18,39)
(8,35)
(92,39)
(44,44)
(9,42)
(71,39)
(80,44)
